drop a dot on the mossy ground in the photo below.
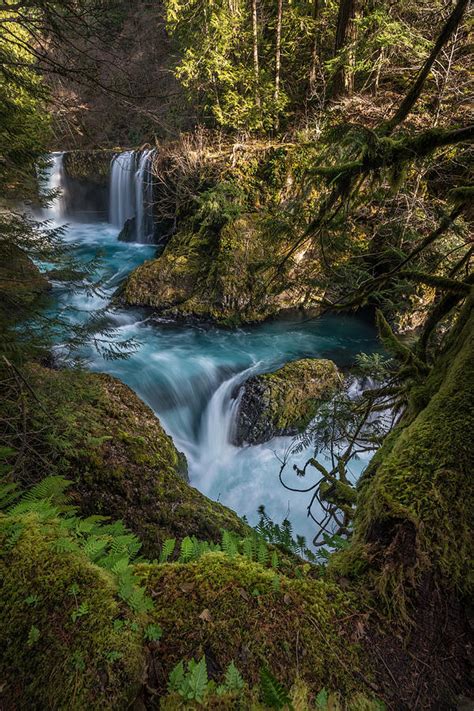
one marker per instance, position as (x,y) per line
(233,609)
(50,659)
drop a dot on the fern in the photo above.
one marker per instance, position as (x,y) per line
(176,678)
(233,680)
(109,545)
(274,560)
(9,493)
(187,550)
(248,547)
(64,545)
(139,602)
(52,488)
(197,680)
(153,633)
(167,549)
(262,554)
(322,700)
(273,693)
(229,545)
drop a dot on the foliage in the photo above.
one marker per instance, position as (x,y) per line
(107,545)
(24,120)
(191,681)
(273,693)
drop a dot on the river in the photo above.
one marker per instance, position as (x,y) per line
(189,374)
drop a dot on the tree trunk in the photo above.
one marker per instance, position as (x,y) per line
(278,50)
(278,61)
(346,33)
(315,51)
(452,23)
(256,68)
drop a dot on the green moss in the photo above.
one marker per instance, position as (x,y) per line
(122,463)
(416,498)
(284,402)
(294,627)
(49,659)
(295,390)
(226,262)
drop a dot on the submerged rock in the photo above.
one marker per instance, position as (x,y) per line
(128,233)
(283,402)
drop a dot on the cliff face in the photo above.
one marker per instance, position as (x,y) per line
(86,184)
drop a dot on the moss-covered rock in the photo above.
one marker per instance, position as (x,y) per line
(283,402)
(60,646)
(233,609)
(416,497)
(122,463)
(229,278)
(228,260)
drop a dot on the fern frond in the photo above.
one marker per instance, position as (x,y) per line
(167,549)
(273,693)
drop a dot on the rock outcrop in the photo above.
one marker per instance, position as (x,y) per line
(86,184)
(120,460)
(283,402)
(229,278)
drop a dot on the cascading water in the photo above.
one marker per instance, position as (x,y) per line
(122,188)
(189,375)
(131,193)
(54,181)
(144,197)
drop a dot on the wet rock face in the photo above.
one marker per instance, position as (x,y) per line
(283,402)
(85,184)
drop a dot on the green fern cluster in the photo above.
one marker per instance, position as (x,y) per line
(253,547)
(108,545)
(282,535)
(191,681)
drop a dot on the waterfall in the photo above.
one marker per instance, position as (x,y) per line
(144,198)
(214,447)
(122,188)
(54,181)
(131,193)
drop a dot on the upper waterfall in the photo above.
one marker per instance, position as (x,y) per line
(54,182)
(122,188)
(131,193)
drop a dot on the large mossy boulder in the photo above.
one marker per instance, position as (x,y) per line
(283,402)
(228,276)
(123,465)
(235,609)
